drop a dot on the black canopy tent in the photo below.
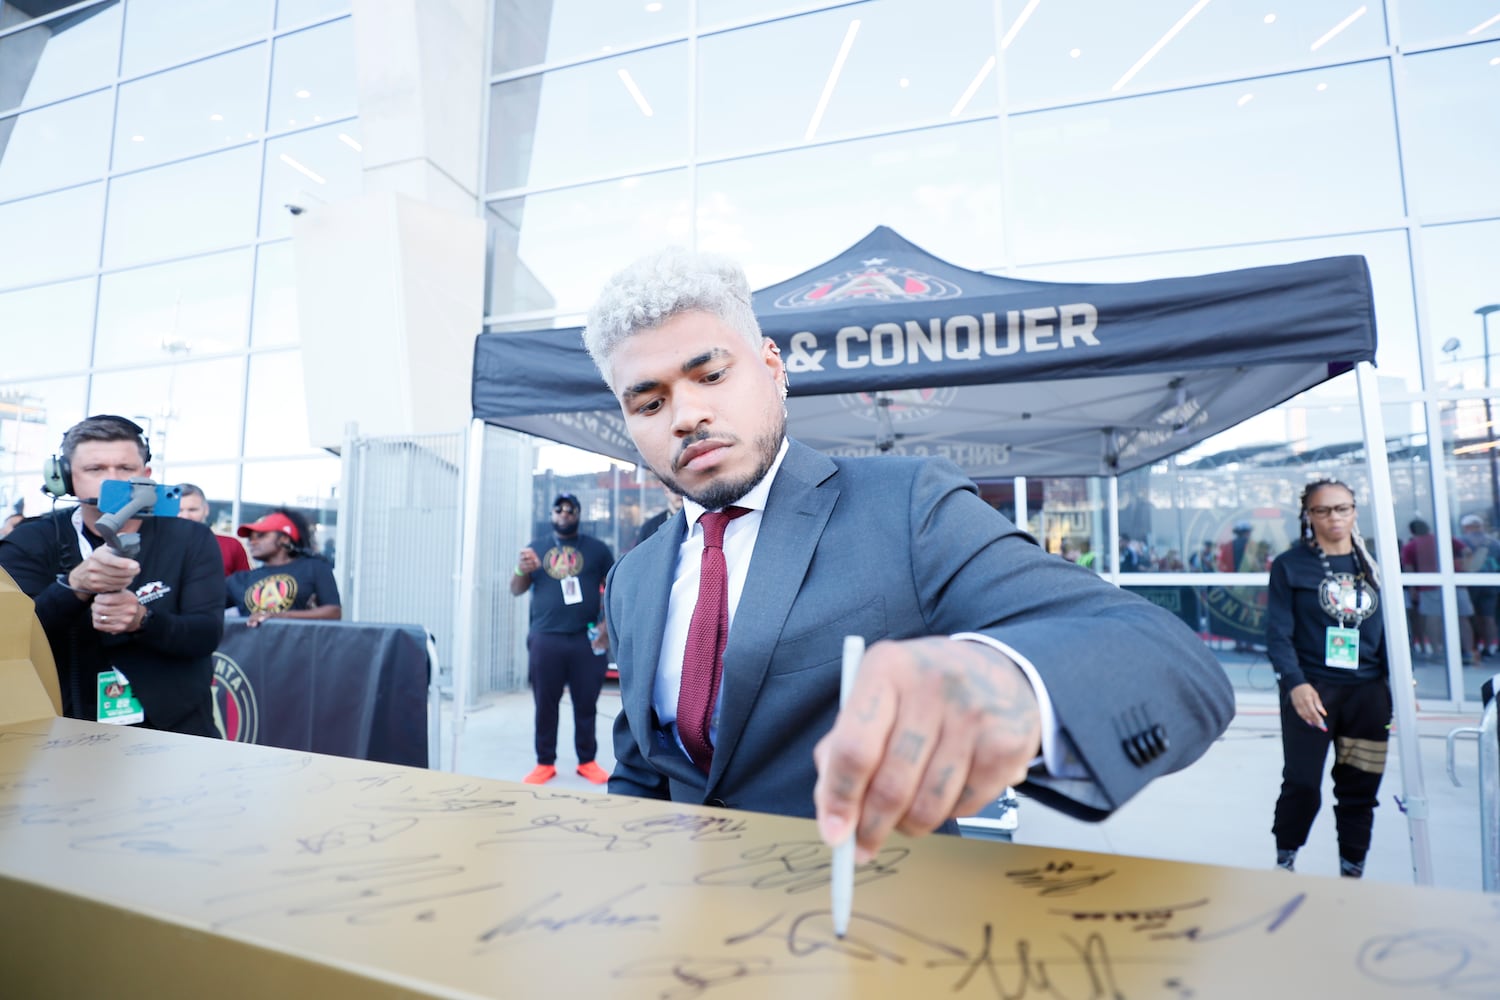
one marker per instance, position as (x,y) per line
(889,348)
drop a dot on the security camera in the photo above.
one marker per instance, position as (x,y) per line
(295,209)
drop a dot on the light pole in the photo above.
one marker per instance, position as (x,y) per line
(1483,312)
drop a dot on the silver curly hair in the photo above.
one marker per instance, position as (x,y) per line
(658,287)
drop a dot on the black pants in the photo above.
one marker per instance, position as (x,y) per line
(1358,723)
(556,661)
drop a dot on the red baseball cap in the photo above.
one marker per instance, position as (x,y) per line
(271,522)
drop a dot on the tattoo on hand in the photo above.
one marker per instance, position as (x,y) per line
(909,746)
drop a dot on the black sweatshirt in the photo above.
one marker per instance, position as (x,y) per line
(1296,622)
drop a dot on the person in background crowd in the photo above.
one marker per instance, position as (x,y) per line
(133,637)
(1202,561)
(291,581)
(194,507)
(8,525)
(1326,639)
(565,581)
(1237,555)
(649,526)
(1483,557)
(1420,555)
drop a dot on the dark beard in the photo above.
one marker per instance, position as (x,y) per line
(721,493)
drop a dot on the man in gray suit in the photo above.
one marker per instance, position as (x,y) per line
(990,663)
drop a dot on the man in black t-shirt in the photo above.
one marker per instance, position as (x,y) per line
(565,580)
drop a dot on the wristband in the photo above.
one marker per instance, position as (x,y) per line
(519,573)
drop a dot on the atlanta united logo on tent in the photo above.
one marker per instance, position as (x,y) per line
(874,282)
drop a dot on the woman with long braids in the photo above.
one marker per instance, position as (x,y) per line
(1326,639)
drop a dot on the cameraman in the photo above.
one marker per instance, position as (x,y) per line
(139,631)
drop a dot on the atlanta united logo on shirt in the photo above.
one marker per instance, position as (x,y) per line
(277,592)
(562,562)
(1341,599)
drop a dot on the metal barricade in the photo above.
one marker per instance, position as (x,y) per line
(1489,782)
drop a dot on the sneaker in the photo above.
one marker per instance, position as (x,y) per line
(1351,869)
(593,772)
(540,775)
(1286,859)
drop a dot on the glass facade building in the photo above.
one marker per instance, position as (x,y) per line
(147,148)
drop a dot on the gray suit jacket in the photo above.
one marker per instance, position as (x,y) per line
(897,548)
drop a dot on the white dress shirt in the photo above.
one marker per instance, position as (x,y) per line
(739,544)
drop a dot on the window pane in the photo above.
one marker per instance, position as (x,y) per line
(1470,442)
(939,188)
(207,105)
(33,416)
(313,77)
(1425,21)
(294,12)
(54,147)
(554,251)
(1207,166)
(1068,52)
(1251,478)
(64,56)
(319,165)
(50,236)
(604,117)
(530,32)
(198,306)
(275,316)
(184,208)
(1463,302)
(715,13)
(1390,276)
(1450,139)
(277,420)
(191,411)
(158,32)
(895,64)
(46,329)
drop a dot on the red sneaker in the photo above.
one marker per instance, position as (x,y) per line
(540,775)
(593,772)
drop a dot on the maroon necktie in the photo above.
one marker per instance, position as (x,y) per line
(703,659)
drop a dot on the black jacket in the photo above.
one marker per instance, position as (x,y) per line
(169,662)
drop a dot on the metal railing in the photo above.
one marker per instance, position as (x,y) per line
(1489,782)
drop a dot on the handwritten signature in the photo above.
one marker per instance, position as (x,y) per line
(798,866)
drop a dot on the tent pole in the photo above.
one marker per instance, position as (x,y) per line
(1397,641)
(1114,530)
(1018,492)
(467,582)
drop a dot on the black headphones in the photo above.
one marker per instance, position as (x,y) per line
(57,470)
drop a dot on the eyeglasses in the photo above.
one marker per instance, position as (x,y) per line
(565,509)
(1342,510)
